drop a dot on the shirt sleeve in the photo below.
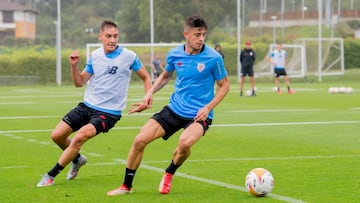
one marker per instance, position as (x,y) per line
(137,64)
(89,68)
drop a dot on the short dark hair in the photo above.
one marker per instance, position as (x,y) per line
(107,23)
(195,22)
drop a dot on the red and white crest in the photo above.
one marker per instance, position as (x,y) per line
(200,67)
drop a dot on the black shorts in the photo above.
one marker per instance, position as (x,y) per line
(247,70)
(279,72)
(82,115)
(171,122)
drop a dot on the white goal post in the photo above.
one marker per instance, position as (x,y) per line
(332,57)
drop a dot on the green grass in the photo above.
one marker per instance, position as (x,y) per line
(309,141)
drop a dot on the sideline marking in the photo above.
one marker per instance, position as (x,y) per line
(211,182)
(275,110)
(3,132)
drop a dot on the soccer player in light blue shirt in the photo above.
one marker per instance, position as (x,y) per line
(199,69)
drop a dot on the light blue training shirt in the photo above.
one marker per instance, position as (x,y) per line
(279,58)
(195,79)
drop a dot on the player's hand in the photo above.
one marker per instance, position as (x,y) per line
(137,107)
(202,114)
(74,58)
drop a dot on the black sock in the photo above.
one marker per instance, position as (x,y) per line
(288,88)
(172,168)
(76,159)
(129,177)
(55,170)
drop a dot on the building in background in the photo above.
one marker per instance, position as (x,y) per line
(17,21)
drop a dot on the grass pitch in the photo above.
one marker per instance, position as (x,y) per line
(309,141)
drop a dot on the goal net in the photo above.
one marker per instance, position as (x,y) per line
(296,62)
(332,56)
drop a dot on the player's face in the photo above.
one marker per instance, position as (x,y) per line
(109,38)
(195,38)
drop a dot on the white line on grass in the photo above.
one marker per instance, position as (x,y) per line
(25,117)
(275,110)
(214,125)
(208,181)
(267,158)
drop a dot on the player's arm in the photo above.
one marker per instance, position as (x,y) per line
(147,103)
(79,78)
(161,81)
(223,87)
(269,58)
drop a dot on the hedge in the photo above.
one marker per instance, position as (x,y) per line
(40,62)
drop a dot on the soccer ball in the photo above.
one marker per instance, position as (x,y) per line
(349,90)
(275,89)
(342,90)
(248,93)
(259,182)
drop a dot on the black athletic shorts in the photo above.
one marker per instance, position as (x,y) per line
(247,70)
(279,72)
(82,115)
(171,122)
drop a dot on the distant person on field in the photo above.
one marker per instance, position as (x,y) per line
(156,66)
(107,76)
(278,59)
(218,49)
(247,59)
(199,71)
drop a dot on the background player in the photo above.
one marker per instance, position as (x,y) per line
(247,59)
(278,59)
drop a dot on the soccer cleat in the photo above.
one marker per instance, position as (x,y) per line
(45,181)
(279,92)
(291,91)
(122,190)
(165,183)
(75,167)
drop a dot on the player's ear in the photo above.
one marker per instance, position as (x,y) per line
(100,37)
(185,33)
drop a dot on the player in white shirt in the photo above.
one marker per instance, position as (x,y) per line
(278,59)
(107,75)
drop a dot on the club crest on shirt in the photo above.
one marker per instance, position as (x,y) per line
(200,67)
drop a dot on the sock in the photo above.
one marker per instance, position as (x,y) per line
(129,177)
(55,170)
(76,159)
(172,168)
(288,88)
(278,89)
